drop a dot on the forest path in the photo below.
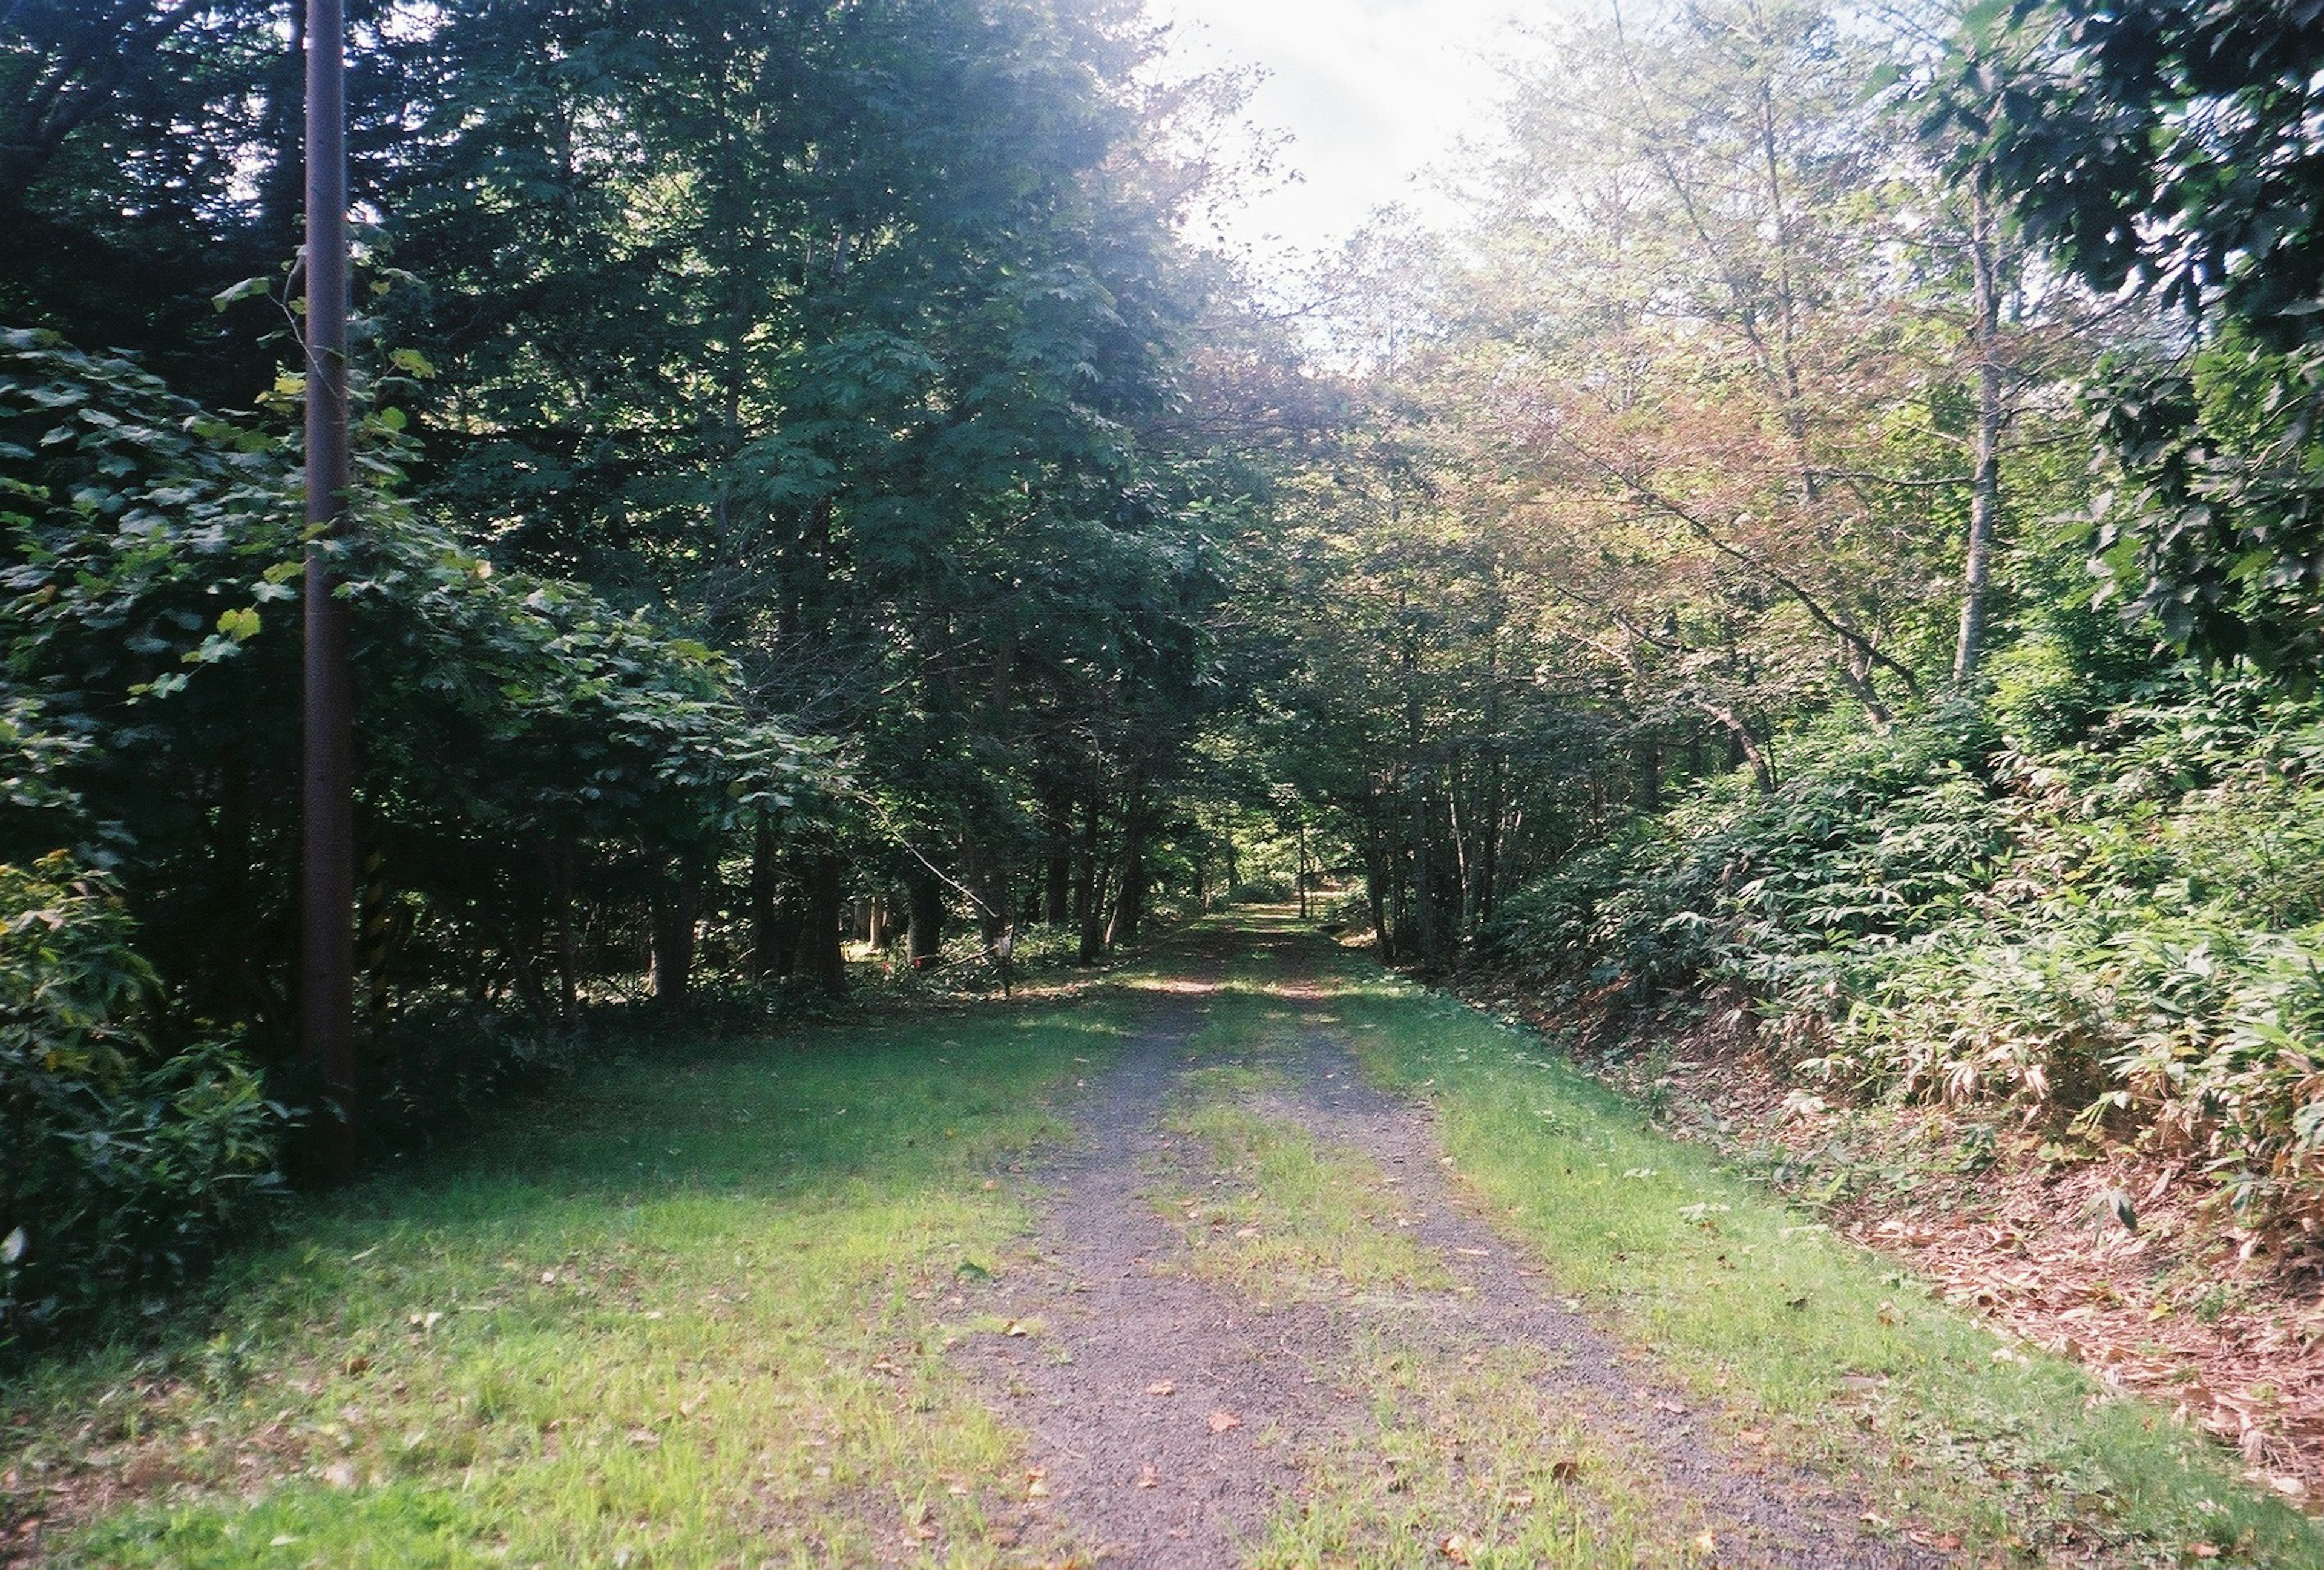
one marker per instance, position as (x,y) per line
(1354,1368)
(1320,1270)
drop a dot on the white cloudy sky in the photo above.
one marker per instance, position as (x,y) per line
(1373,93)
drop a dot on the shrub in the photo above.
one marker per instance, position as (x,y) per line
(2128,928)
(120,1165)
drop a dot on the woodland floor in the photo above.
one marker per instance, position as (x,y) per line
(1253,1256)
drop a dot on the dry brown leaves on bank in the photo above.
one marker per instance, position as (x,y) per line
(2186,1309)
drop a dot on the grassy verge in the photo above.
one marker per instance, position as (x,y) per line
(1823,1351)
(691,1313)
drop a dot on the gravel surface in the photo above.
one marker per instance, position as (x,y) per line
(1169,1416)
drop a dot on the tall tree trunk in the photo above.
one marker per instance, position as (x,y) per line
(1489,864)
(1984,492)
(1129,902)
(1423,891)
(678,903)
(563,873)
(1375,890)
(768,949)
(828,959)
(1088,892)
(924,938)
(218,988)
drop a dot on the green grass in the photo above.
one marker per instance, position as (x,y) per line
(691,1313)
(694,1312)
(1281,1217)
(1845,1362)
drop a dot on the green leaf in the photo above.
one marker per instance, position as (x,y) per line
(248,288)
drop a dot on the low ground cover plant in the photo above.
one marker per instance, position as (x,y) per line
(2123,930)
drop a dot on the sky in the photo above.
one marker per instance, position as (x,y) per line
(1373,93)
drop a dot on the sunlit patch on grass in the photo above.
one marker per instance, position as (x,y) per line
(1178,987)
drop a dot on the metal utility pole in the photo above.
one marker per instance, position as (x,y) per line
(326,990)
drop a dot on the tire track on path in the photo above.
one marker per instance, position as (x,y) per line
(1171,1418)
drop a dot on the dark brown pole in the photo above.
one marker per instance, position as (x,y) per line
(327,992)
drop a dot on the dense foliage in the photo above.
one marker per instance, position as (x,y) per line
(813,492)
(1712,544)
(789,510)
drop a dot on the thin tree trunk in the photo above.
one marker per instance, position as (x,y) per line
(1423,892)
(1984,492)
(1375,891)
(1739,737)
(563,873)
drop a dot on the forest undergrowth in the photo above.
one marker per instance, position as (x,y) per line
(2029,996)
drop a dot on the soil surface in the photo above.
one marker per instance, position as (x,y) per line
(1170,1417)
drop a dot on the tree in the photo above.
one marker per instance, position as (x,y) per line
(2163,147)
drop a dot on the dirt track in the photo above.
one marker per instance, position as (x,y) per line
(1131,1367)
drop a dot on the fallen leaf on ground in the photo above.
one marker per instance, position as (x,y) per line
(1751,1437)
(1018,1327)
(1222,1421)
(1519,1498)
(1161,1388)
(1458,1548)
(1148,1478)
(1564,1471)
